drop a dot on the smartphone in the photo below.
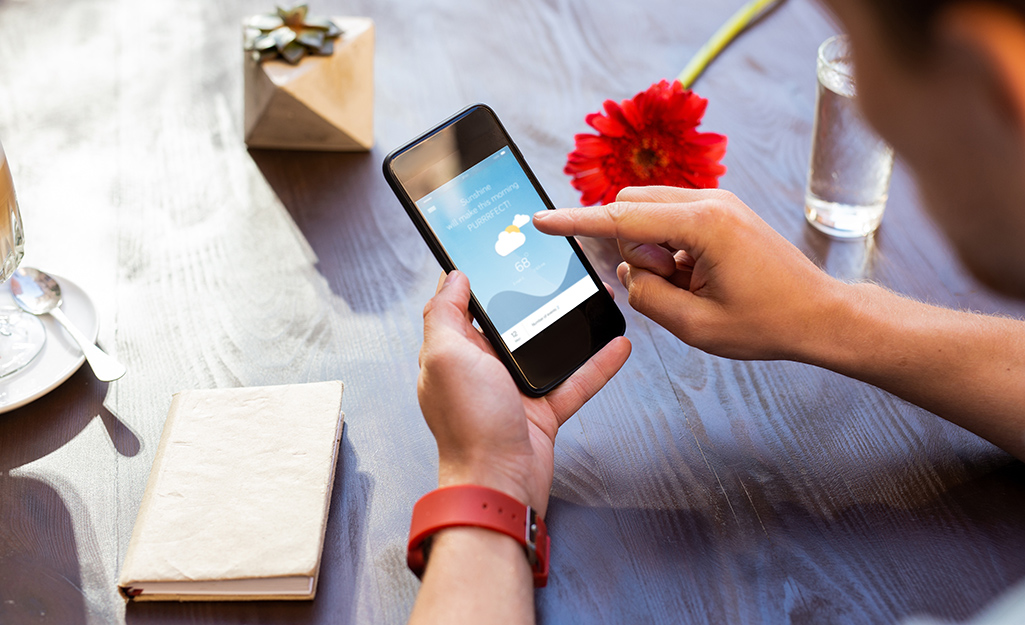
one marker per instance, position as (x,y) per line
(537,299)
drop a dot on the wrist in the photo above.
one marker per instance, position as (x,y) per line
(490,476)
(485,548)
(845,325)
(478,507)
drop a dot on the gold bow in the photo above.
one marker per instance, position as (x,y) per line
(290,34)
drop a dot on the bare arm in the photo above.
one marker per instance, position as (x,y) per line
(967,368)
(475,576)
(488,434)
(707,268)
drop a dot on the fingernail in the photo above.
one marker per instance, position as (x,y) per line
(450,277)
(541,215)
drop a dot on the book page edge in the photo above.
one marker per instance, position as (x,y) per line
(125,578)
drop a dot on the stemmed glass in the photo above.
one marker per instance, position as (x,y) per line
(21,335)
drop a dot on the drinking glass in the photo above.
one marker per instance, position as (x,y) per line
(849,174)
(21,334)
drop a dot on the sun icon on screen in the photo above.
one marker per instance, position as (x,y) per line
(511,238)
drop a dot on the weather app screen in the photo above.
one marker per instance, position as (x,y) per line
(525,280)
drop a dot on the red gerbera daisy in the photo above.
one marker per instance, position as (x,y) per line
(651,139)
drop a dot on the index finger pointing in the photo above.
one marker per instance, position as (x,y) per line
(639,222)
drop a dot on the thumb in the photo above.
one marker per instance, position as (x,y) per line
(656,298)
(448,308)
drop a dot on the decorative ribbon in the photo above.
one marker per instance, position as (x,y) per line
(290,34)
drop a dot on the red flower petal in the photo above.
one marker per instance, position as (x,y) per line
(592,146)
(610,125)
(648,139)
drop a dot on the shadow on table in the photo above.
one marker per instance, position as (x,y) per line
(870,563)
(340,569)
(40,574)
(366,246)
(40,580)
(54,419)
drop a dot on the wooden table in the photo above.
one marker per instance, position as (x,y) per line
(692,489)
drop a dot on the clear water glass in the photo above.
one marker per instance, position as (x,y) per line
(21,335)
(849,174)
(12,237)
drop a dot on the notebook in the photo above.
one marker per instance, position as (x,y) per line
(237,500)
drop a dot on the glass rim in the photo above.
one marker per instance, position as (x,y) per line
(832,63)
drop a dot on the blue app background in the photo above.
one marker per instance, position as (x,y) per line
(483,218)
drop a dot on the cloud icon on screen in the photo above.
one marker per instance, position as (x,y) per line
(511,238)
(508,240)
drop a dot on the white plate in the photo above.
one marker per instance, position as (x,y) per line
(60,356)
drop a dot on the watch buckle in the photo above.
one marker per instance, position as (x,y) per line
(530,537)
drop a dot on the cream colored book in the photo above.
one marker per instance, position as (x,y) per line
(237,500)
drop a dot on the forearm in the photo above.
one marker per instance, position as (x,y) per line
(964,367)
(475,576)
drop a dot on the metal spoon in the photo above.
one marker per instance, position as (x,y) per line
(38,293)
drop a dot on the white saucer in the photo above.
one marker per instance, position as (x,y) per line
(60,356)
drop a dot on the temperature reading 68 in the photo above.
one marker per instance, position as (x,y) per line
(522,263)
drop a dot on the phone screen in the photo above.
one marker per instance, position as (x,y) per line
(471,195)
(524,280)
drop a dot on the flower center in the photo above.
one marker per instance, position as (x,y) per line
(647,157)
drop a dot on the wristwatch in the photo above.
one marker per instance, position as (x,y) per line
(476,506)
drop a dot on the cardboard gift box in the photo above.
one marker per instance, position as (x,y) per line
(322,102)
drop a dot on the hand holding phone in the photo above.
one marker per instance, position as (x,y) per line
(488,433)
(536,298)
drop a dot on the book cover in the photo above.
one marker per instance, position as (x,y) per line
(237,500)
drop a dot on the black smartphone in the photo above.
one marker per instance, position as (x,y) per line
(536,297)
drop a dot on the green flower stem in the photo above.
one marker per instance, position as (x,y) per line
(722,38)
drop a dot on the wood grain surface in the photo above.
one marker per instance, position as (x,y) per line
(692,489)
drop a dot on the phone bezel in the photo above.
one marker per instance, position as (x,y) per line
(604,320)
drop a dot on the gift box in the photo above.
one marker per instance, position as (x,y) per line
(322,101)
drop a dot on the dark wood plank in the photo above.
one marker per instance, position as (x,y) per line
(692,489)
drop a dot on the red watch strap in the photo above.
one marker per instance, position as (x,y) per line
(476,506)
